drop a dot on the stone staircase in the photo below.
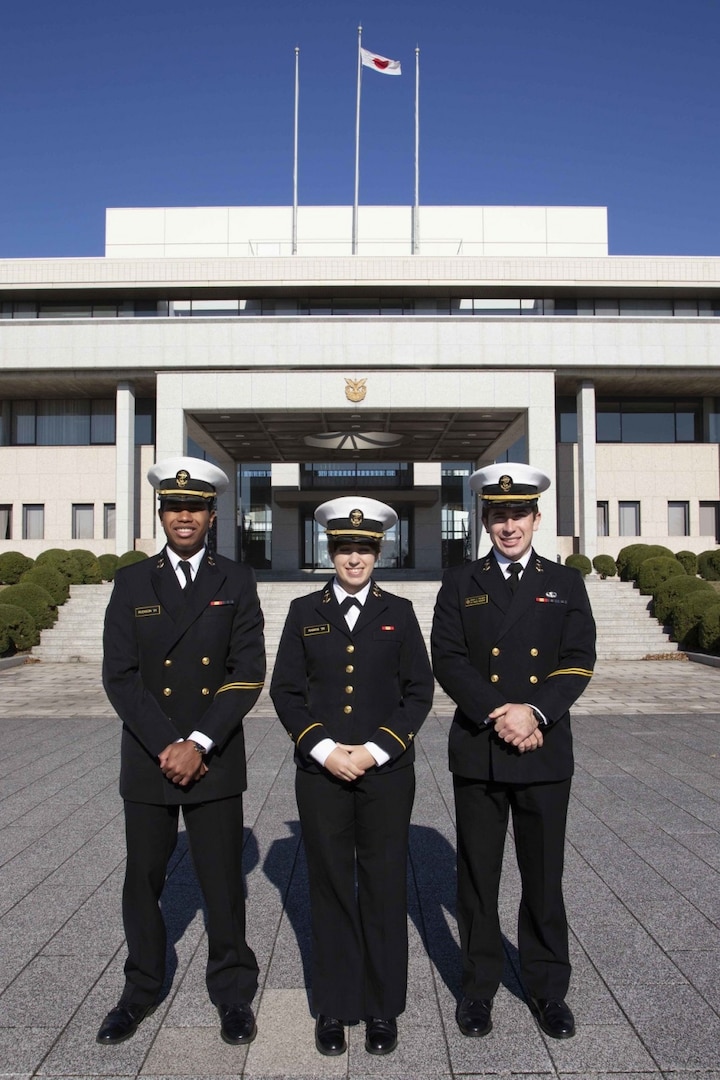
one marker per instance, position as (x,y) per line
(626,631)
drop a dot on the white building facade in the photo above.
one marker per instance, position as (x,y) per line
(254,336)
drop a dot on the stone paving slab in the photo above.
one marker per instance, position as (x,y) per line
(642,886)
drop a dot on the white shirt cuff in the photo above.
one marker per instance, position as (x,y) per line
(323,750)
(380,756)
(202,740)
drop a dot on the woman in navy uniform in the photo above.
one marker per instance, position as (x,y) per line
(184,661)
(352,684)
(513,644)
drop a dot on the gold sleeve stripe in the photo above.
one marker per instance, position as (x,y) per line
(572,671)
(308,728)
(404,745)
(240,686)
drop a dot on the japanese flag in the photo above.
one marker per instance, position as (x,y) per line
(380,63)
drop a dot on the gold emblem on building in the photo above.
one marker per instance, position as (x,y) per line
(356,518)
(355,389)
(505,483)
(182,478)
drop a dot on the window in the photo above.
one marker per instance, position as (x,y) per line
(678,519)
(83,521)
(109,521)
(710,519)
(33,527)
(6,522)
(603,519)
(648,421)
(62,422)
(629,518)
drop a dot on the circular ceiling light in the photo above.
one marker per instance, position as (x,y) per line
(353,440)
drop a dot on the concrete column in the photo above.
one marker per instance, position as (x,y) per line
(541,453)
(124,467)
(587,475)
(285,531)
(428,524)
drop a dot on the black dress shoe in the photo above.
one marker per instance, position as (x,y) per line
(330,1036)
(473,1016)
(237,1023)
(122,1022)
(380,1035)
(554,1017)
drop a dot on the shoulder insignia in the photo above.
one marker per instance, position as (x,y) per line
(313,631)
(473,601)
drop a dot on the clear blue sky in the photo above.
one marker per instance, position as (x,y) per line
(190,103)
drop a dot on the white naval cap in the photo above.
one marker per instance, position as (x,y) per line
(509,482)
(355,518)
(187,478)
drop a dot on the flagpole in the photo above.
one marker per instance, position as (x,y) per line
(295,153)
(416,207)
(357,147)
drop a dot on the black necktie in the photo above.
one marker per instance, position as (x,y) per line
(348,603)
(187,587)
(514,572)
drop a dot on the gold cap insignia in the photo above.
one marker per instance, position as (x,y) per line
(505,483)
(182,478)
(356,518)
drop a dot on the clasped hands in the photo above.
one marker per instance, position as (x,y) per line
(516,725)
(349,762)
(181,763)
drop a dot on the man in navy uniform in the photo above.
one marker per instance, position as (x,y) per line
(513,645)
(184,663)
(352,684)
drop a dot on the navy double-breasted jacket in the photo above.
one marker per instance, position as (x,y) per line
(490,648)
(371,684)
(172,666)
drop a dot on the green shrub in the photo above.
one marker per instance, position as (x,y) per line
(47,578)
(108,565)
(642,553)
(130,557)
(579,562)
(90,571)
(63,562)
(35,600)
(709,629)
(687,614)
(709,565)
(655,570)
(624,556)
(12,566)
(17,630)
(672,592)
(688,560)
(605,566)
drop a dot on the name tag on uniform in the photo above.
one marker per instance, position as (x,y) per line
(473,601)
(151,609)
(311,631)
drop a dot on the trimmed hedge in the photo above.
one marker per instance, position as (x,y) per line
(17,629)
(605,566)
(35,600)
(688,560)
(709,629)
(130,557)
(654,571)
(47,578)
(108,565)
(13,565)
(672,592)
(579,562)
(687,615)
(640,554)
(89,566)
(709,564)
(623,558)
(62,561)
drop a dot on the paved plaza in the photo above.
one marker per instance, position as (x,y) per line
(642,885)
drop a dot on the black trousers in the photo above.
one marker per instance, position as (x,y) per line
(215,835)
(356,844)
(539,814)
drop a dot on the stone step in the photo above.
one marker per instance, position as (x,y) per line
(626,630)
